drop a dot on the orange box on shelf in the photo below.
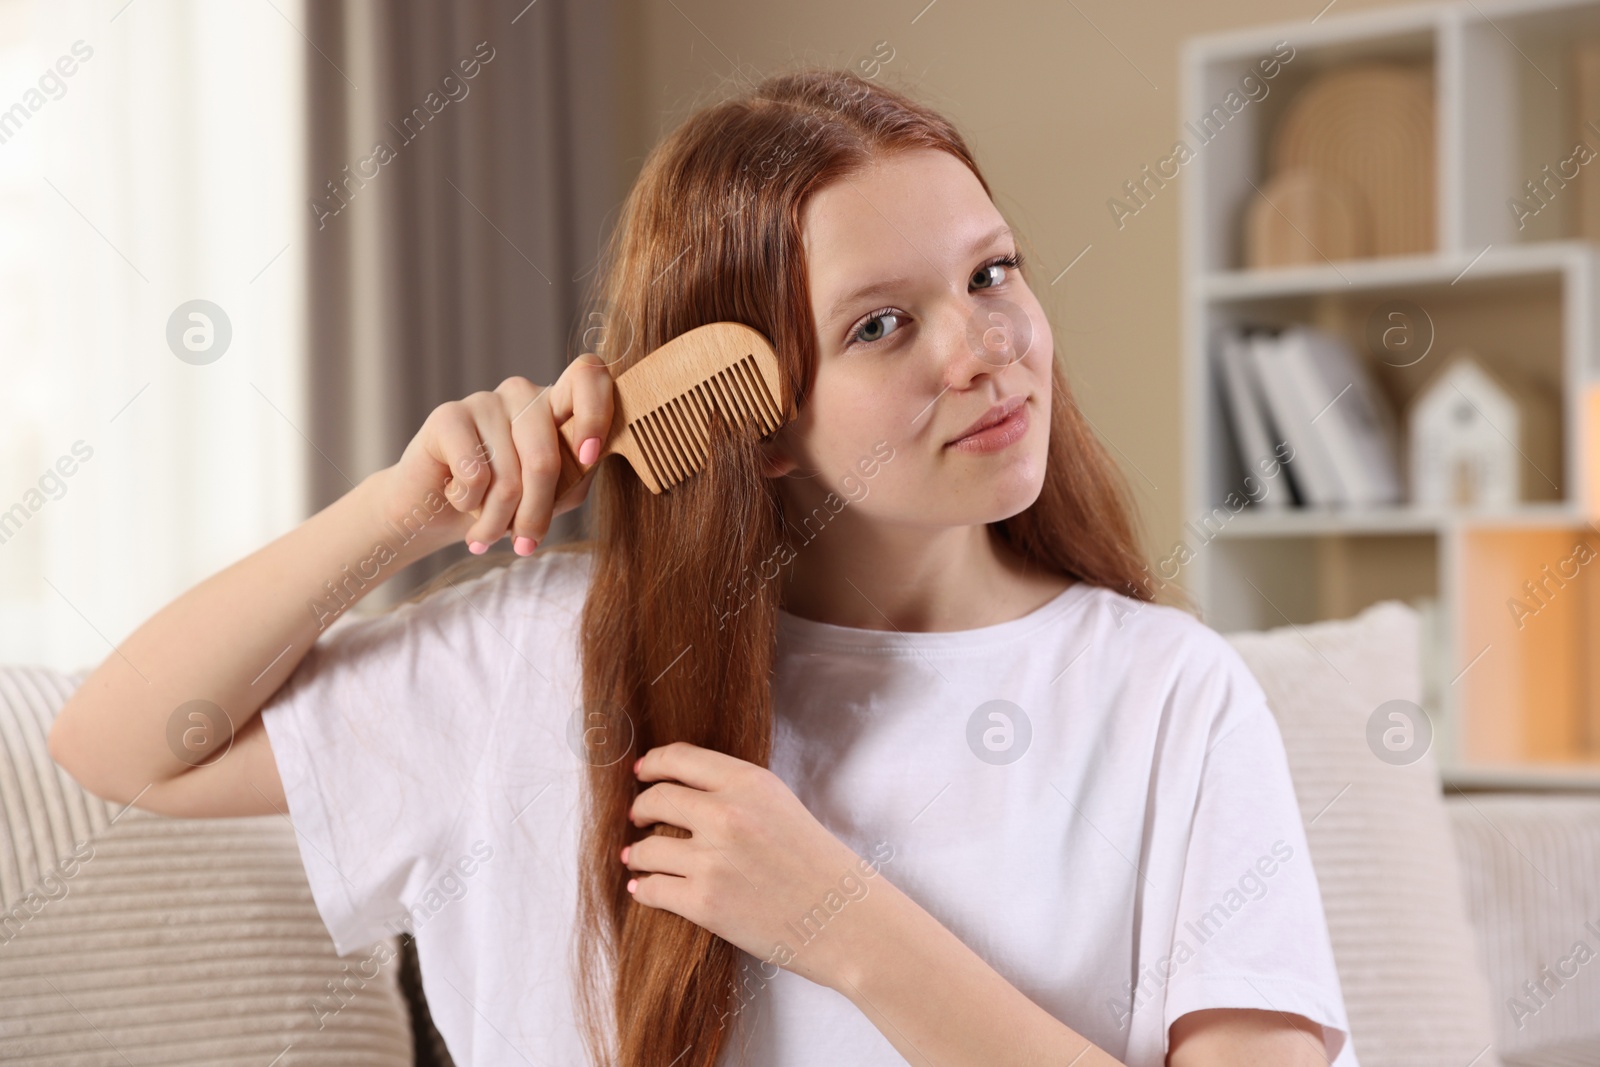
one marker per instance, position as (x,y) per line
(1530,619)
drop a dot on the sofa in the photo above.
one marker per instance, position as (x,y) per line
(1441,904)
(128,938)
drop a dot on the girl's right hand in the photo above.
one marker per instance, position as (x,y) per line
(494,458)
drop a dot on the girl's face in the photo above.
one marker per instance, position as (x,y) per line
(925,330)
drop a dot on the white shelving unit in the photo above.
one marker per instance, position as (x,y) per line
(1504,108)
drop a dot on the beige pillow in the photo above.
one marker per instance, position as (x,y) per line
(127,937)
(1380,840)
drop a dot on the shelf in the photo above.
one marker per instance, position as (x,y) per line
(1551,777)
(1363,275)
(1328,522)
(1332,40)
(1527,316)
(1509,654)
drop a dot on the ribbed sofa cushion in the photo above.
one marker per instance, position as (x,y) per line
(128,938)
(1380,840)
(1531,871)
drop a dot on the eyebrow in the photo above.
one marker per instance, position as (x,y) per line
(887,285)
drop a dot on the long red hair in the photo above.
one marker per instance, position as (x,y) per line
(675,644)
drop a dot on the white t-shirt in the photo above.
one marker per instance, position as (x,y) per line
(1094,797)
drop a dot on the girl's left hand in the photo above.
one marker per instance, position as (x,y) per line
(756,862)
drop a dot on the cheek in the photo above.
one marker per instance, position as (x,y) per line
(849,414)
(1041,353)
(1038,376)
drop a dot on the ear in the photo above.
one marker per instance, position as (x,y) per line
(776,461)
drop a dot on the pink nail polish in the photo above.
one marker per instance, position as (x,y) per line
(524,546)
(637,764)
(589,451)
(625,850)
(477,548)
(633,884)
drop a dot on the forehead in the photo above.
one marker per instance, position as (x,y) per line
(909,212)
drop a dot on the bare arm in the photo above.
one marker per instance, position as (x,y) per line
(132,732)
(939,1002)
(169,720)
(754,858)
(1245,1037)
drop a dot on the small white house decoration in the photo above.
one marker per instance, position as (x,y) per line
(1469,431)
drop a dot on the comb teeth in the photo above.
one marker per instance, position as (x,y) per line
(676,437)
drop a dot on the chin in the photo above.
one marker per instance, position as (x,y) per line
(1018,483)
(1010,492)
(1016,500)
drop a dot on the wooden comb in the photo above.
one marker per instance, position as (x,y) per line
(662,405)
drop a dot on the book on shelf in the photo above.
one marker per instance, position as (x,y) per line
(1253,435)
(1311,390)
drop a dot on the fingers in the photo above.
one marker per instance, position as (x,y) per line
(499,501)
(673,804)
(583,394)
(456,445)
(660,854)
(503,450)
(665,891)
(702,768)
(533,435)
(541,469)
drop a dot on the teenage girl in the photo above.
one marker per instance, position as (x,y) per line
(866,743)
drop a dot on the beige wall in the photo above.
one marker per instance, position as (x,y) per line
(1059,116)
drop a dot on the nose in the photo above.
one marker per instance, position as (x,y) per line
(991,336)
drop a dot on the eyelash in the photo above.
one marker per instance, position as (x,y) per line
(1013,261)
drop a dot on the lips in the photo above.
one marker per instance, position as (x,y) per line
(995,415)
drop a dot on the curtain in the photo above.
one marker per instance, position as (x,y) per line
(462,163)
(150,159)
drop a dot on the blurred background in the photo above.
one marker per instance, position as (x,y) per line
(225,152)
(1325,277)
(248,246)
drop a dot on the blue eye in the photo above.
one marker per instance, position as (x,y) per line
(993,273)
(883,322)
(875,327)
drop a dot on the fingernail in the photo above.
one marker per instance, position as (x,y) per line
(637,764)
(625,849)
(524,546)
(589,451)
(633,883)
(477,548)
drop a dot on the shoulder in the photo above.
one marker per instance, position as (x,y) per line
(1150,633)
(451,646)
(559,574)
(1170,657)
(546,589)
